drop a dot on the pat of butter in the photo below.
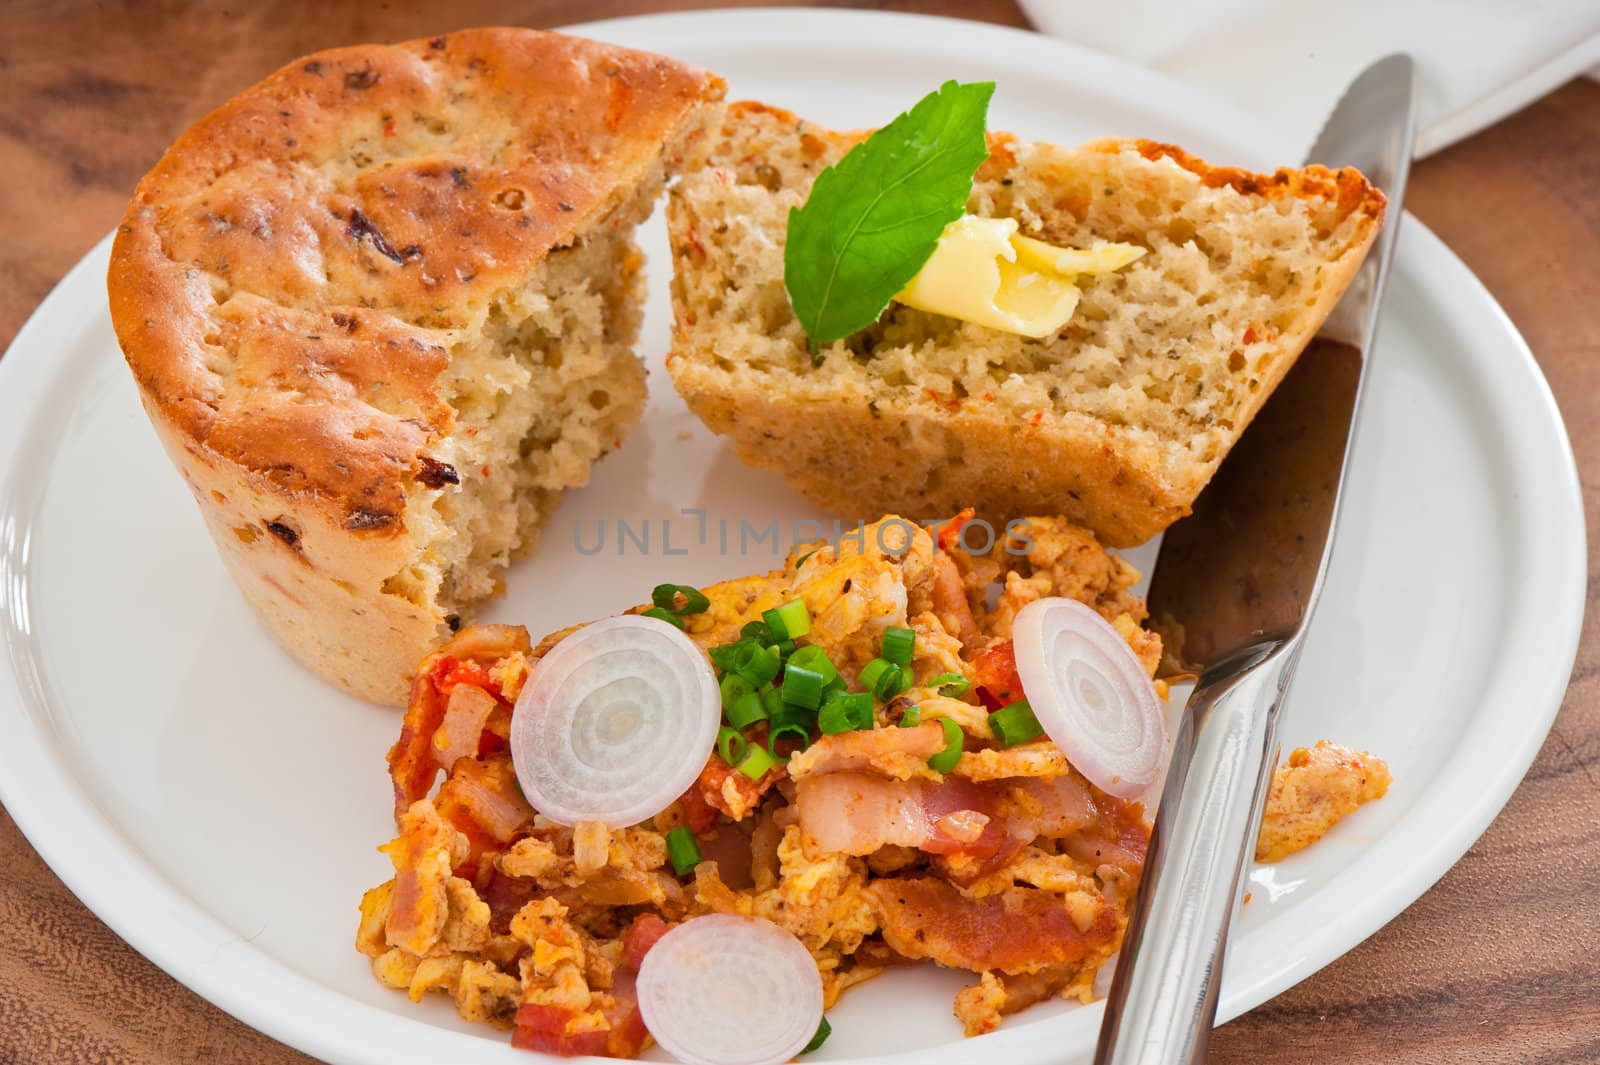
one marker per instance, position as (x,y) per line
(983,272)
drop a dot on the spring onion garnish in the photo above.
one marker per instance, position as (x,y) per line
(772,701)
(755,663)
(1014,723)
(824,1030)
(731,745)
(732,686)
(662,615)
(884,679)
(790,621)
(911,717)
(727,990)
(899,645)
(745,710)
(1090,693)
(666,597)
(952,684)
(791,723)
(614,723)
(759,632)
(683,850)
(802,686)
(757,762)
(954,741)
(845,713)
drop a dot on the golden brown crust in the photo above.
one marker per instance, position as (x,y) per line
(931,455)
(288,279)
(337,272)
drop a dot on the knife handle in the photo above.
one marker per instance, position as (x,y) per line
(1163,997)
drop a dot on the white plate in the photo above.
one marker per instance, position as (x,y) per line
(219,807)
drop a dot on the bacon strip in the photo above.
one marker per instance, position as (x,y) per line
(860,813)
(893,752)
(1019,930)
(414,760)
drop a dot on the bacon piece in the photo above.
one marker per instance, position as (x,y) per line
(729,847)
(859,813)
(544,1029)
(549,1029)
(972,828)
(460,731)
(424,855)
(414,762)
(506,895)
(1118,837)
(1019,930)
(641,935)
(894,752)
(485,791)
(951,606)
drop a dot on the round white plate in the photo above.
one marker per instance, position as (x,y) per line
(219,807)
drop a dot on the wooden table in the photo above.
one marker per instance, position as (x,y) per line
(1498,963)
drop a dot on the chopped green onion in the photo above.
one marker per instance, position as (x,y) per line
(745,710)
(911,717)
(683,849)
(755,663)
(951,684)
(1014,723)
(732,745)
(722,657)
(883,678)
(802,559)
(823,1031)
(666,596)
(791,730)
(758,631)
(899,645)
(772,701)
(733,688)
(789,621)
(954,741)
(815,659)
(802,686)
(785,649)
(663,615)
(844,713)
(757,762)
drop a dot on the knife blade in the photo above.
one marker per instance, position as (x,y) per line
(1234,587)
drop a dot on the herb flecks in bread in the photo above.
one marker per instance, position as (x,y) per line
(1118,420)
(381,309)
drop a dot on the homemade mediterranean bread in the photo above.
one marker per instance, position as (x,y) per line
(1116,421)
(381,309)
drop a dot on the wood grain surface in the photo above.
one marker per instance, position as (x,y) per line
(1498,963)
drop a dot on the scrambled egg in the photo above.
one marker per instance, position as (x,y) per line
(1015,868)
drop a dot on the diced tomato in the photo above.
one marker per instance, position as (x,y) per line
(449,672)
(996,673)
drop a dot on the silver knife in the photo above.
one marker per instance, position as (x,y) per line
(1234,588)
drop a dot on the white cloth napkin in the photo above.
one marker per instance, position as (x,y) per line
(1286,62)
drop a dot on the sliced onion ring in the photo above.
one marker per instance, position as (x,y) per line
(726,990)
(1091,693)
(615,722)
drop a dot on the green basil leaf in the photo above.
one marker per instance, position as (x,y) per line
(874,217)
